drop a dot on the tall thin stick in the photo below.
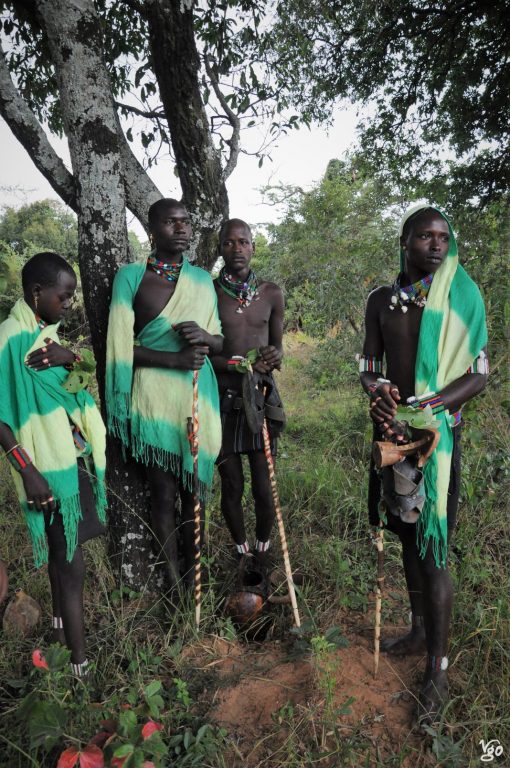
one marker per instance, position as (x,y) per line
(379,542)
(193,442)
(281,529)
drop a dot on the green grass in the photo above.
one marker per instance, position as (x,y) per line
(322,477)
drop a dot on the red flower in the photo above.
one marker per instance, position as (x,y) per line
(149,728)
(38,660)
(90,757)
(68,758)
(148,764)
(118,762)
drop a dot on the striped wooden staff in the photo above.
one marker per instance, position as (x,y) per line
(193,442)
(279,517)
(379,543)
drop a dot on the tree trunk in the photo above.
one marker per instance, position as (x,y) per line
(177,66)
(91,127)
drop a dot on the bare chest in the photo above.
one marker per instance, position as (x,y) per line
(401,332)
(152,296)
(244,327)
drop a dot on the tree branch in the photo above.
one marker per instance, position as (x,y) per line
(233,120)
(143,113)
(139,188)
(30,134)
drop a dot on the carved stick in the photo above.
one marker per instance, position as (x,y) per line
(279,517)
(379,542)
(193,442)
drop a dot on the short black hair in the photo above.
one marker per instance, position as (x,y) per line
(233,222)
(44,269)
(406,229)
(159,206)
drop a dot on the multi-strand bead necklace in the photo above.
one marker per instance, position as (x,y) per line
(244,291)
(416,293)
(168,272)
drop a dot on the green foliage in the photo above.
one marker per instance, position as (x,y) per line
(139,723)
(10,278)
(434,76)
(231,37)
(334,244)
(45,225)
(417,417)
(82,371)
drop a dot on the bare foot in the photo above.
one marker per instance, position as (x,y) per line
(411,644)
(433,696)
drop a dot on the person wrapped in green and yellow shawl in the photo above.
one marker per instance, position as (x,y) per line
(54,440)
(163,326)
(430,328)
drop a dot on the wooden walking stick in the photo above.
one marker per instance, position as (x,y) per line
(379,542)
(193,442)
(279,517)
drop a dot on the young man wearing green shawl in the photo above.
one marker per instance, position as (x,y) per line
(54,441)
(430,329)
(163,326)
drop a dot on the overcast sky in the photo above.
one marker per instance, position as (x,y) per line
(299,158)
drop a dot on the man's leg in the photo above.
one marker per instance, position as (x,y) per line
(232,487)
(263,498)
(69,581)
(437,603)
(414,641)
(57,626)
(163,489)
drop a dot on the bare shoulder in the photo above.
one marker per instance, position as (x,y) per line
(271,292)
(379,298)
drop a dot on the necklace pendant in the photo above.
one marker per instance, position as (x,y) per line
(239,311)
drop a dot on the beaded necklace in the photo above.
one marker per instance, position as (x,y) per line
(40,322)
(416,293)
(168,272)
(243,291)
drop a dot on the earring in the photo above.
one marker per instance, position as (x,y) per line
(151,240)
(36,301)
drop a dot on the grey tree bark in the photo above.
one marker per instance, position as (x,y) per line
(139,189)
(176,66)
(93,134)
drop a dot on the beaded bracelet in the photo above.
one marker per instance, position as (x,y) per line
(431,399)
(235,361)
(369,364)
(18,457)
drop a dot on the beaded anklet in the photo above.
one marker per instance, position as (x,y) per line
(437,663)
(80,670)
(18,457)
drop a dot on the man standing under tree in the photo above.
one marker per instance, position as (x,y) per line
(163,326)
(430,328)
(251,314)
(54,439)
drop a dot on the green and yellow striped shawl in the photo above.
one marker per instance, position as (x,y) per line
(38,410)
(452,334)
(148,408)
